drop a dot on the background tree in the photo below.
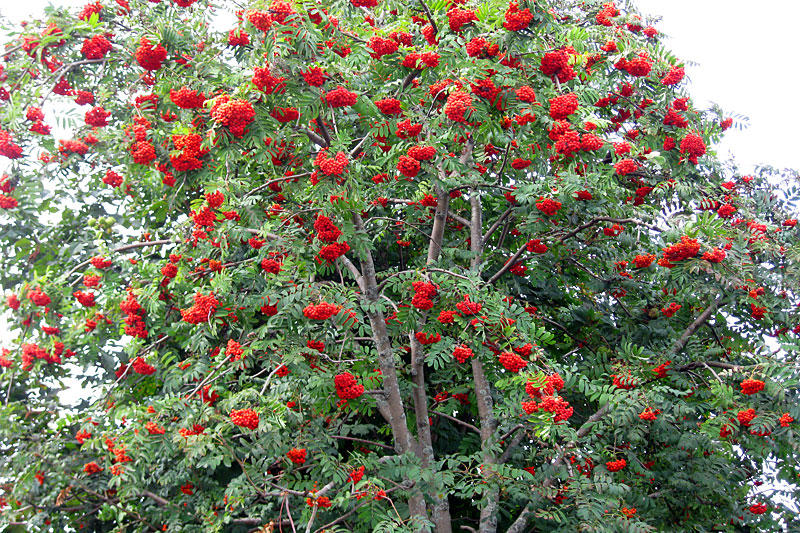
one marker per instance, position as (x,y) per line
(385,266)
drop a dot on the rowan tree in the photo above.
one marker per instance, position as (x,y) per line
(385,266)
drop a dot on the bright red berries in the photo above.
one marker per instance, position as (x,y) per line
(150,57)
(408,166)
(140,366)
(674,76)
(671,309)
(333,166)
(424,338)
(235,114)
(203,309)
(347,388)
(97,117)
(297,455)
(326,230)
(341,97)
(626,166)
(468,307)
(512,362)
(389,106)
(758,508)
(548,206)
(245,418)
(616,466)
(321,311)
(186,98)
(563,106)
(233,350)
(462,353)
(92,468)
(693,146)
(746,416)
(649,415)
(424,293)
(786,420)
(458,18)
(517,20)
(751,386)
(86,299)
(459,106)
(556,65)
(38,297)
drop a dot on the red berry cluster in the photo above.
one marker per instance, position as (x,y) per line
(626,382)
(245,418)
(671,309)
(96,47)
(786,420)
(330,252)
(424,293)
(751,386)
(556,65)
(422,153)
(326,230)
(203,309)
(649,415)
(347,388)
(321,311)
(389,106)
(271,266)
(236,114)
(616,466)
(517,20)
(334,166)
(674,76)
(420,61)
(715,255)
(512,362)
(134,318)
(382,46)
(86,299)
(462,353)
(468,307)
(266,82)
(548,206)
(238,37)
(644,261)
(314,76)
(408,166)
(260,19)
(626,166)
(97,117)
(140,366)
(481,48)
(112,178)
(191,151)
(746,416)
(685,249)
(186,98)
(458,18)
(297,455)
(234,350)
(341,97)
(150,57)
(563,106)
(459,106)
(693,146)
(424,338)
(92,468)
(154,429)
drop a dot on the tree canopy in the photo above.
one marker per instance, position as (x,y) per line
(372,265)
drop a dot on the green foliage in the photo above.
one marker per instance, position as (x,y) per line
(211,390)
